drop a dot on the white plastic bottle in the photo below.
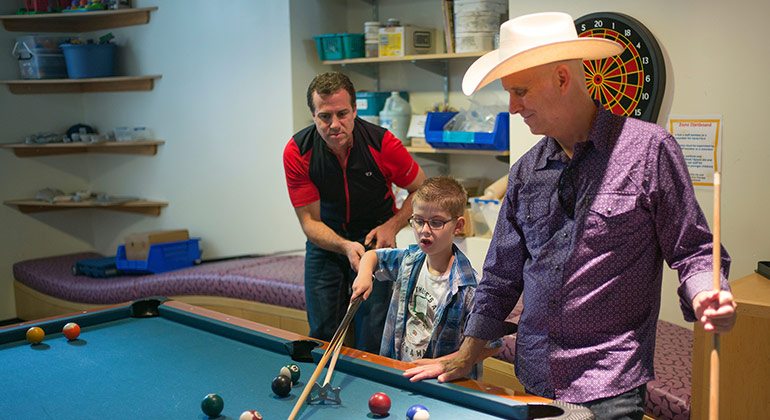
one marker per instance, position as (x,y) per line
(395,116)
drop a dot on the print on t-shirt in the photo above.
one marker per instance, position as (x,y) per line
(421,312)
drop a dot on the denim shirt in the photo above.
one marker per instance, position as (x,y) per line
(402,267)
(590,286)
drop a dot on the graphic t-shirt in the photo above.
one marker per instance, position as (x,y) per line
(421,313)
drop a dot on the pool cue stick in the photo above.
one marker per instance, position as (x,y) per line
(338,336)
(716,265)
(333,363)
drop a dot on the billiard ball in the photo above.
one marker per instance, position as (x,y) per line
(71,330)
(291,371)
(250,415)
(35,335)
(379,404)
(417,412)
(281,385)
(212,405)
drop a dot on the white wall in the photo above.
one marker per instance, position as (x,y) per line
(223,107)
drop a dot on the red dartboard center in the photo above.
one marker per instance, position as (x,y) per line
(617,81)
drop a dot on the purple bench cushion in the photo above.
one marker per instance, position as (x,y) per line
(668,395)
(276,280)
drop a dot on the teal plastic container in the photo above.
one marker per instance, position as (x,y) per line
(370,104)
(89,60)
(339,46)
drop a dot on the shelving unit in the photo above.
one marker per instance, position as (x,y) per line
(77,22)
(151,208)
(434,63)
(148,148)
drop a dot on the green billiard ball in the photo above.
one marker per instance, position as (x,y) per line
(212,405)
(291,371)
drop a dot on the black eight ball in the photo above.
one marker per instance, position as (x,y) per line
(281,386)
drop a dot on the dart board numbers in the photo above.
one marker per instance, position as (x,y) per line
(632,83)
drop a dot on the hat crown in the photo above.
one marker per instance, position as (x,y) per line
(535,30)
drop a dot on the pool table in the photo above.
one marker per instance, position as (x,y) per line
(158,358)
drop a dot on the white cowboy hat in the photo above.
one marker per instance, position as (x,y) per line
(532,40)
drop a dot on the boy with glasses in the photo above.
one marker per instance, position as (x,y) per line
(434,283)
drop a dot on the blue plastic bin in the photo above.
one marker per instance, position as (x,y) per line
(435,135)
(89,60)
(161,257)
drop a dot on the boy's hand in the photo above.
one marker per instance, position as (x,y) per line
(362,285)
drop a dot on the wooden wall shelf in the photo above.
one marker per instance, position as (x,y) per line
(148,148)
(151,208)
(98,84)
(433,150)
(77,21)
(410,58)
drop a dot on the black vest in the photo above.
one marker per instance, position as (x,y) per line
(359,199)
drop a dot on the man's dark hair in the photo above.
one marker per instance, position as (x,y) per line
(328,83)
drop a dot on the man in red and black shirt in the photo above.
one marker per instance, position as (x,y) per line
(339,173)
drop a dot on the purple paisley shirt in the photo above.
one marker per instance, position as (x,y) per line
(591,286)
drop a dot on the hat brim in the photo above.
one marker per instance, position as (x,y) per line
(490,67)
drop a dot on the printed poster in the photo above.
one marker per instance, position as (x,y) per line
(700,138)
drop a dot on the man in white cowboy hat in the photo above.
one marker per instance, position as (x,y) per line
(589,215)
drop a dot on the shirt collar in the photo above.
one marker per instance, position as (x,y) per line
(597,135)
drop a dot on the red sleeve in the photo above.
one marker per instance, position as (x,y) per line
(302,191)
(397,164)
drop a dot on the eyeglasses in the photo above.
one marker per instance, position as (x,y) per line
(434,224)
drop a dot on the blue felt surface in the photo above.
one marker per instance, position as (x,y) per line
(157,368)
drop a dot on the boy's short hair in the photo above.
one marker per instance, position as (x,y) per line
(445,192)
(328,83)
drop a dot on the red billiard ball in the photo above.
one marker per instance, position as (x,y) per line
(71,330)
(250,415)
(379,404)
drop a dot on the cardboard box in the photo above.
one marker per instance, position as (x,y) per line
(138,244)
(399,41)
(468,227)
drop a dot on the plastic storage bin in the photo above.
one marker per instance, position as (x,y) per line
(435,135)
(161,257)
(89,60)
(339,46)
(40,57)
(484,215)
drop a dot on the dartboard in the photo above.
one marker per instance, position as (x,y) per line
(632,82)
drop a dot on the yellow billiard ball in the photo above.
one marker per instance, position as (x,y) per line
(35,335)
